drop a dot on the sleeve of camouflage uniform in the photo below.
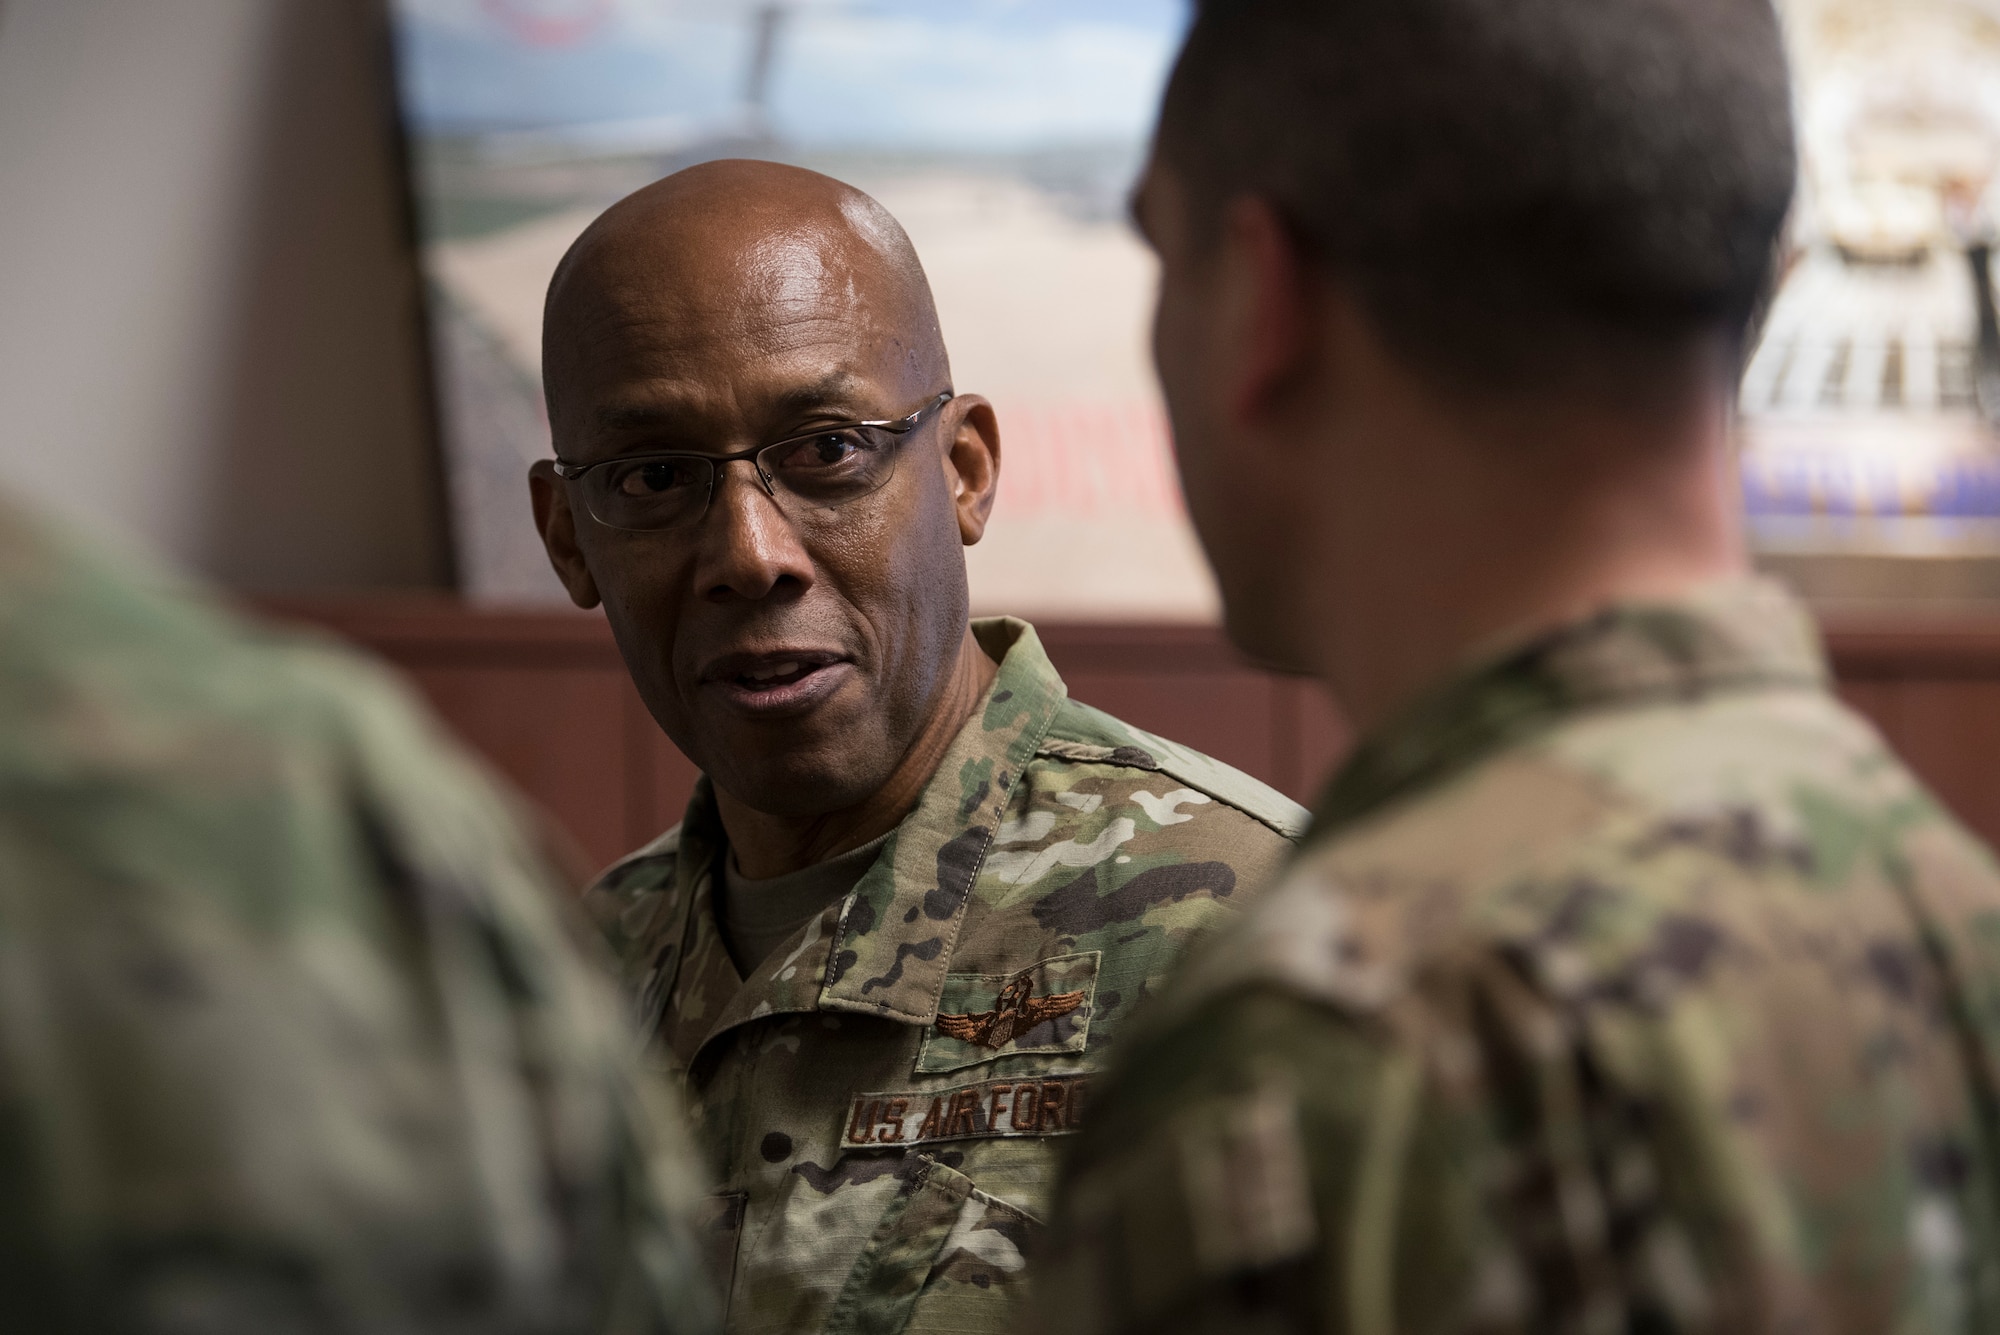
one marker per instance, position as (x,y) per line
(293,1033)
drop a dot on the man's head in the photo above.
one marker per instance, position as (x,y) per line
(790,638)
(1520,201)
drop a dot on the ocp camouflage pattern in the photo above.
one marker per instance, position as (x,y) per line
(879,1172)
(293,1037)
(1627,983)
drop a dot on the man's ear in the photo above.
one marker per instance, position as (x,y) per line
(1266,307)
(553,517)
(972,465)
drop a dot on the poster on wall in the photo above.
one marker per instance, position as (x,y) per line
(1004,134)
(1869,411)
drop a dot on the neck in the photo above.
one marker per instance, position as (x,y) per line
(1506,531)
(765,845)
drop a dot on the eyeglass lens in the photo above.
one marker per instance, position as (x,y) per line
(824,470)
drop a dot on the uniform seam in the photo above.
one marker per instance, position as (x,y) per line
(1270,823)
(1179,776)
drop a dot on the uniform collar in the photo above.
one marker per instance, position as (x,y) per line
(1735,635)
(885,949)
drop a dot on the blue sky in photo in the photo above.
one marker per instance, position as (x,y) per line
(959,74)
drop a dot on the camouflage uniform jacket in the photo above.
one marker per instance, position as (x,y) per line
(1627,983)
(292,1034)
(885,1096)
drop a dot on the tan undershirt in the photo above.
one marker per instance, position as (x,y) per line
(757,916)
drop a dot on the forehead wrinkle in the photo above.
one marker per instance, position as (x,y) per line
(671,400)
(776,297)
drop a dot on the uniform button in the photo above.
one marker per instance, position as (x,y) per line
(777,1147)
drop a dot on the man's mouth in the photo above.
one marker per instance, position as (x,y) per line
(776,674)
(780,682)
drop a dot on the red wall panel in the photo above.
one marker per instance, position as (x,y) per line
(544,696)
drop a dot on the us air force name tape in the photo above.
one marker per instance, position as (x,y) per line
(1049,1106)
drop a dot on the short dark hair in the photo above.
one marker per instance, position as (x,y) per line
(1515,188)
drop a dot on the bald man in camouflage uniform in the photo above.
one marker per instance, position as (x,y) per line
(293,1036)
(1627,982)
(919,889)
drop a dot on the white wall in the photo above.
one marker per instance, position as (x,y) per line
(210,344)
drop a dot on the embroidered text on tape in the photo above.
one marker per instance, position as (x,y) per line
(1050,1106)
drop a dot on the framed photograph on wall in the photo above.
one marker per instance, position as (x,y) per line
(1004,134)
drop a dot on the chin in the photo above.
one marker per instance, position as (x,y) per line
(1263,621)
(797,784)
(1257,572)
(1269,642)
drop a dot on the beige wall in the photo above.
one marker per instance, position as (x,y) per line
(210,343)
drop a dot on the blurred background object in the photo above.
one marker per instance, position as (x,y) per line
(1871,471)
(211,333)
(222,291)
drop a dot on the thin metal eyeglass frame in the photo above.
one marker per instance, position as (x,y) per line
(899,427)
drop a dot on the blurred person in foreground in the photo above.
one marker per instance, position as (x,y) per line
(918,889)
(1625,982)
(292,1034)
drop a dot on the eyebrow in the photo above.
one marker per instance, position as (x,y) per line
(836,387)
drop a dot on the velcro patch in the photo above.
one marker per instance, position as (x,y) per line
(1044,1008)
(1050,1106)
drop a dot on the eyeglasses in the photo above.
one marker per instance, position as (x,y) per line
(825,469)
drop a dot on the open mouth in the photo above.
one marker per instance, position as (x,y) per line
(772,676)
(782,681)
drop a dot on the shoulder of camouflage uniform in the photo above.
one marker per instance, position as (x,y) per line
(644,867)
(275,792)
(123,683)
(189,684)
(631,901)
(1088,735)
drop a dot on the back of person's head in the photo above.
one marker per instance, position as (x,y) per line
(1522,193)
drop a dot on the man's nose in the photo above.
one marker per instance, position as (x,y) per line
(749,548)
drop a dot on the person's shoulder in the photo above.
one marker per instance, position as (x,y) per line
(297,851)
(1722,877)
(1084,735)
(632,901)
(1780,786)
(1119,845)
(646,868)
(1607,845)
(122,684)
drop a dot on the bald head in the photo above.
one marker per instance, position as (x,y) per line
(736,252)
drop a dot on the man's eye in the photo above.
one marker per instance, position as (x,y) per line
(655,477)
(828,449)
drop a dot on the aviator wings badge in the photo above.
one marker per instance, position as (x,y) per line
(1015,1013)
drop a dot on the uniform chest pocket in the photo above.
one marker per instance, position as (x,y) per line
(1044,1008)
(946,1240)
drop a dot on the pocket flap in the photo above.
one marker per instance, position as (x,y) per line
(945,1231)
